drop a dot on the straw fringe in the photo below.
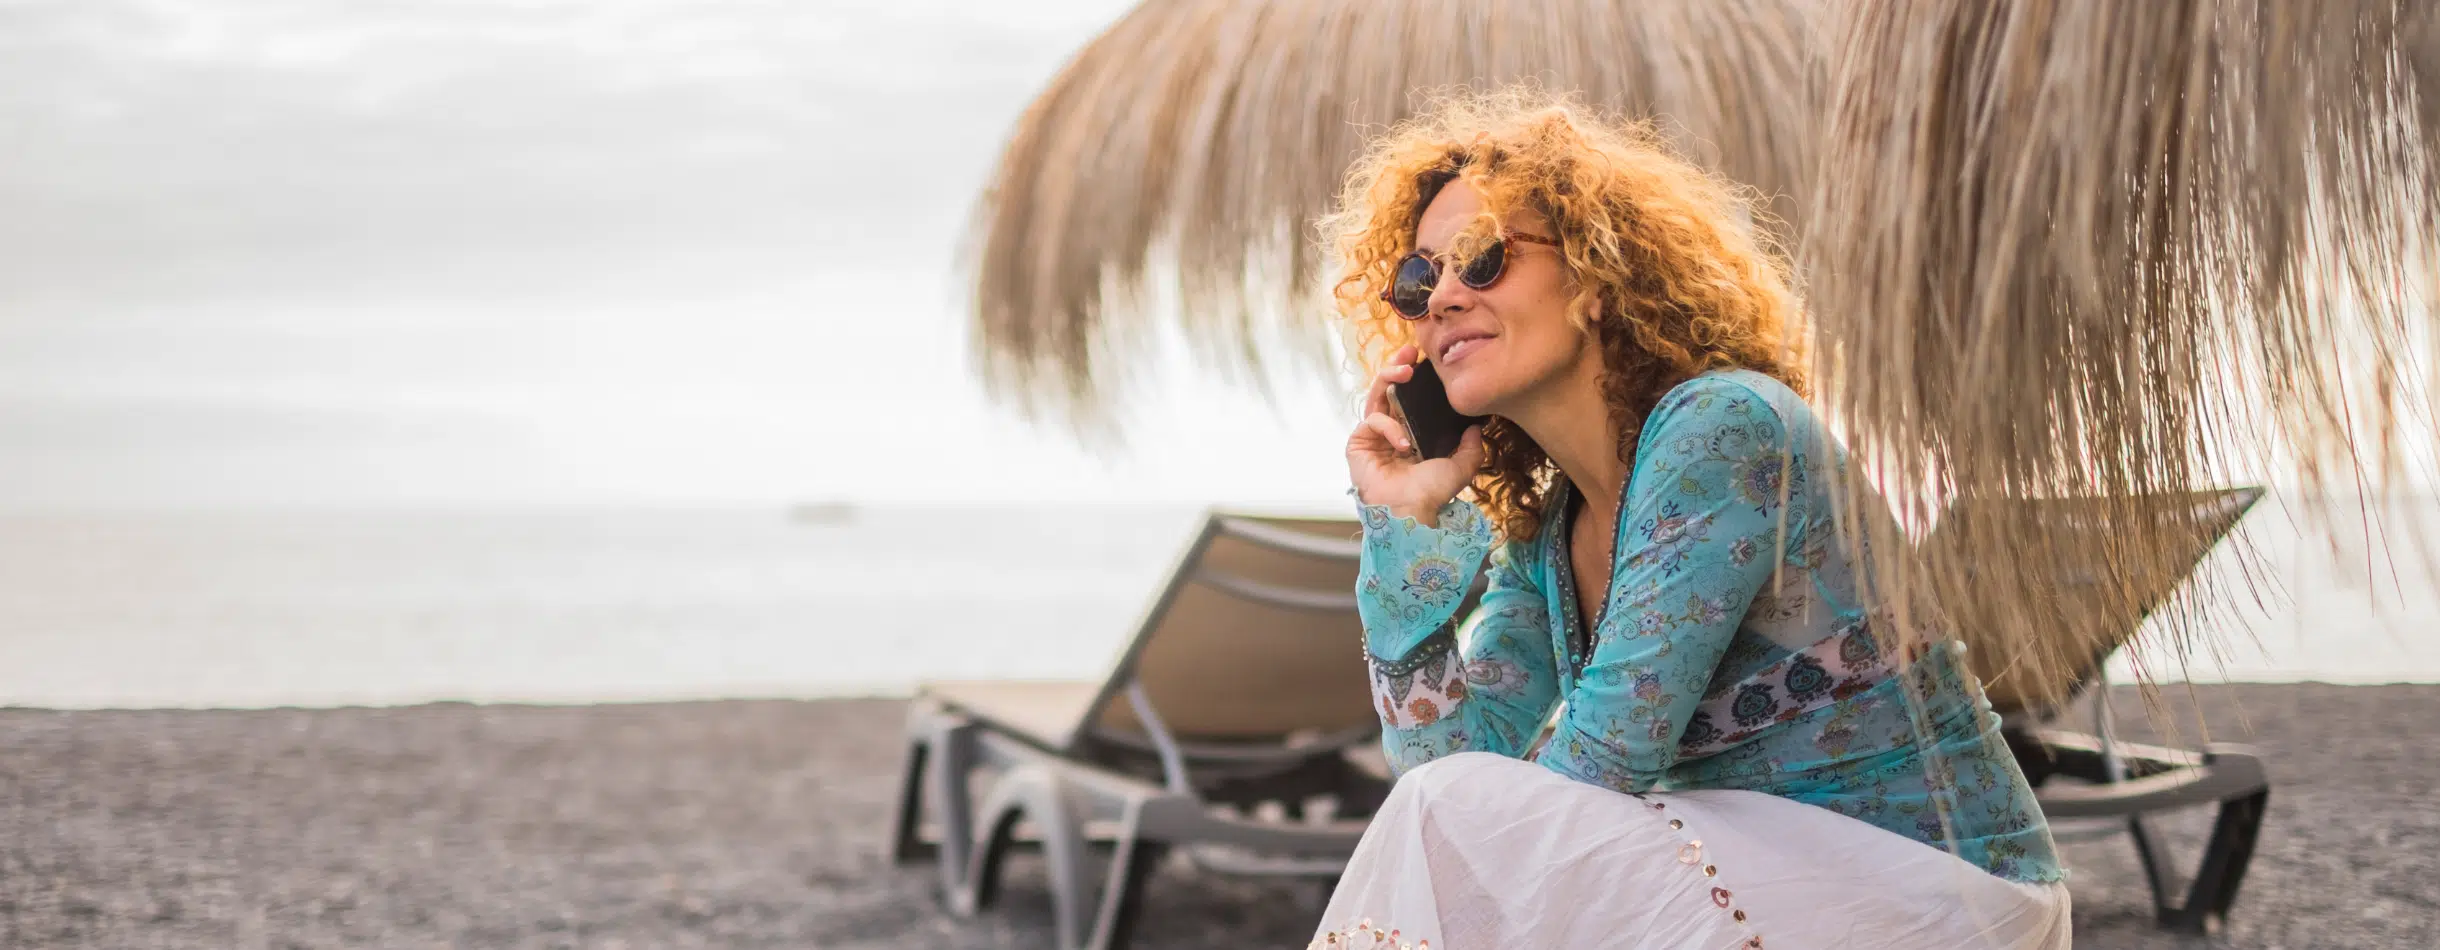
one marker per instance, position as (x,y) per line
(2122,252)
(1177,164)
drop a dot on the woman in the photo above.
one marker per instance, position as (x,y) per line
(1736,761)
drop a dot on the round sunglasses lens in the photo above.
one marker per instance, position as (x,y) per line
(1411,290)
(1485,267)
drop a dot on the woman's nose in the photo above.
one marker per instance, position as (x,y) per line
(1450,295)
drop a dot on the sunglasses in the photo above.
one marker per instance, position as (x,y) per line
(1410,286)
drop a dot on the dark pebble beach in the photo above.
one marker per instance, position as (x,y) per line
(763,824)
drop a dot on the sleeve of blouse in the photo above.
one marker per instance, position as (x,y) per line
(1439,689)
(1702,535)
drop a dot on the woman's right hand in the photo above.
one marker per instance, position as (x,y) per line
(1383,463)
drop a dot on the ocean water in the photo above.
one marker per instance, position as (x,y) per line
(353,607)
(384,607)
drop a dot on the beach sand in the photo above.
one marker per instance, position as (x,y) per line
(763,824)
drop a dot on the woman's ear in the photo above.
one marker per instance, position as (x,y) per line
(1591,324)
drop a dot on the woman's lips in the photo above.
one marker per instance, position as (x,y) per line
(1462,348)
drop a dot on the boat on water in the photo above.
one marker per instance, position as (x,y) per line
(822,512)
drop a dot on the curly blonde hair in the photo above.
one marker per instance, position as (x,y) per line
(1665,268)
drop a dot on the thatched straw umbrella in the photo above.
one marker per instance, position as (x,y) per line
(1175,166)
(2122,251)
(2074,247)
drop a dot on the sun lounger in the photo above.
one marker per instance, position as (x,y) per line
(2117,784)
(1241,697)
(1234,706)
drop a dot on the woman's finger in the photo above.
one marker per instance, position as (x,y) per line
(1366,438)
(1390,432)
(1376,398)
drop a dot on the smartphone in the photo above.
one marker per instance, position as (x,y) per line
(1422,403)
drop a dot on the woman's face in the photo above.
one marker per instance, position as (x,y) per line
(1511,343)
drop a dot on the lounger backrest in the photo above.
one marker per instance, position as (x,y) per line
(1257,637)
(2091,614)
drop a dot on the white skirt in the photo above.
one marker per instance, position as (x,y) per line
(1483,852)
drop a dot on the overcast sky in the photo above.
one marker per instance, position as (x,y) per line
(443,251)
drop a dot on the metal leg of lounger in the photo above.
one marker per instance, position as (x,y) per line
(2149,848)
(1131,864)
(941,758)
(982,887)
(2225,859)
(2156,862)
(1057,810)
(1032,792)
(907,845)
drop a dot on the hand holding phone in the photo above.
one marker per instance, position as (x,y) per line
(1417,464)
(1422,403)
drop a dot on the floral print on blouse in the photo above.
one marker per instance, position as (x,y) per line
(1732,651)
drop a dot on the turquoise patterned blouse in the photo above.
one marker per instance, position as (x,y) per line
(1732,651)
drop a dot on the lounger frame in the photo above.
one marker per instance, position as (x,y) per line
(1132,800)
(2118,784)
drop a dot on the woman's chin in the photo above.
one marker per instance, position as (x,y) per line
(1467,401)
